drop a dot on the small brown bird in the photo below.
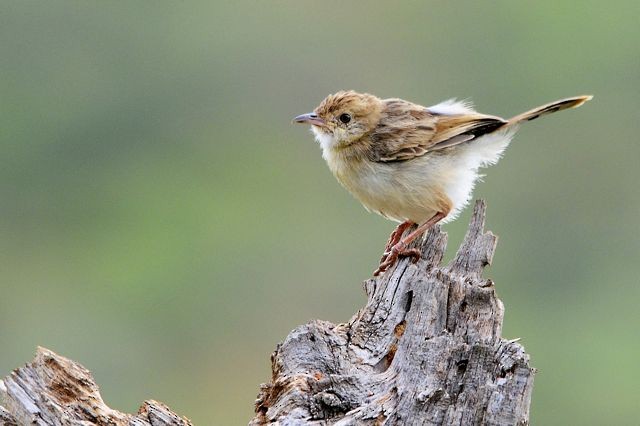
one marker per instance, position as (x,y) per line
(410,163)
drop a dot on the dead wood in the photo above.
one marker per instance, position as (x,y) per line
(53,390)
(426,349)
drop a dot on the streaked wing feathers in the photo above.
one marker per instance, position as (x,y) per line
(407,130)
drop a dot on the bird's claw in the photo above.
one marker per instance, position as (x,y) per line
(390,257)
(396,235)
(413,253)
(394,239)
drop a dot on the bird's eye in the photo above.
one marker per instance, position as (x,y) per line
(345,118)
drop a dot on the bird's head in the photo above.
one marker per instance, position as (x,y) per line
(343,118)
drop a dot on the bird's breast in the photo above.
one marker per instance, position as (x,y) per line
(398,191)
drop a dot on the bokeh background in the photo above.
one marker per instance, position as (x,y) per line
(162,222)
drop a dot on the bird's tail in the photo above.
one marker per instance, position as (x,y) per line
(549,108)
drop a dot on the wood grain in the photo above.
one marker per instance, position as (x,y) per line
(53,390)
(426,349)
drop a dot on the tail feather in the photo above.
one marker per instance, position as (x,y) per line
(567,103)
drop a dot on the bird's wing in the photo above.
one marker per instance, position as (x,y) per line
(407,130)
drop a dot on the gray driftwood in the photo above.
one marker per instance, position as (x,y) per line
(425,350)
(53,390)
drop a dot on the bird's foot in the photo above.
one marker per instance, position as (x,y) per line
(390,257)
(395,238)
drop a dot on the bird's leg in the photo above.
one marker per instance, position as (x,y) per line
(400,248)
(395,237)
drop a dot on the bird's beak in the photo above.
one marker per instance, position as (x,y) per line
(311,118)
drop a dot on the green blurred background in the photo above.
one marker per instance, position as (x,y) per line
(163,223)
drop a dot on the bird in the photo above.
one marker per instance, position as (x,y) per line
(412,164)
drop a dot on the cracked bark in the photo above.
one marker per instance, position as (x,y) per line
(426,349)
(53,390)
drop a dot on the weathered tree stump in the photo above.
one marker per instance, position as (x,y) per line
(53,390)
(426,349)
